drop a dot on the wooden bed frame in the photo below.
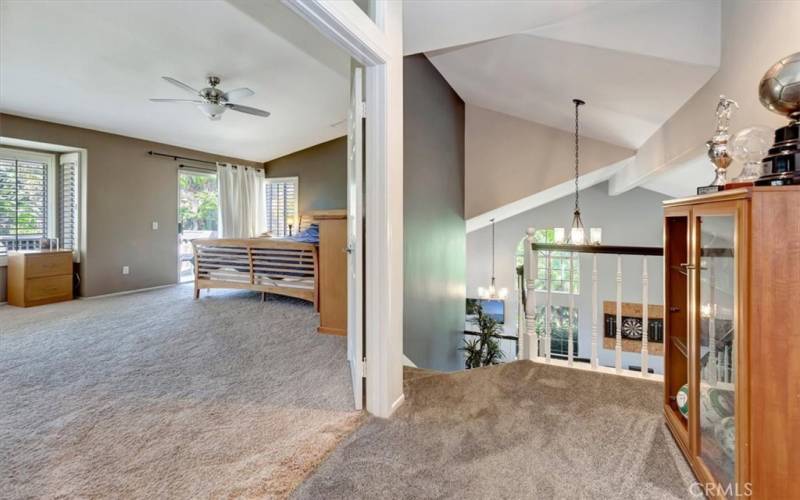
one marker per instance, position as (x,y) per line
(260,264)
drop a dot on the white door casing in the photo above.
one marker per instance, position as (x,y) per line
(379,47)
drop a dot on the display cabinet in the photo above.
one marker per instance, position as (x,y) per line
(732,338)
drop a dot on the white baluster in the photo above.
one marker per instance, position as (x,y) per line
(594,311)
(645,316)
(531,343)
(547,309)
(571,308)
(618,343)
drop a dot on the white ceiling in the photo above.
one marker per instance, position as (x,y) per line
(635,63)
(95,64)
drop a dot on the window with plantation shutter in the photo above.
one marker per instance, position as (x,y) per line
(24,201)
(281,202)
(68,176)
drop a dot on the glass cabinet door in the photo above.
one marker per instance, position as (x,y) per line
(716,345)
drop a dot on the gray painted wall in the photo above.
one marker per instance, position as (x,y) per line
(632,218)
(434,226)
(322,172)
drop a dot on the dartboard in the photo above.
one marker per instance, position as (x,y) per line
(632,328)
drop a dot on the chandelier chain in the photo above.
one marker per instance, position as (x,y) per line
(577,156)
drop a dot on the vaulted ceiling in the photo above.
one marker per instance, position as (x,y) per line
(96,64)
(635,63)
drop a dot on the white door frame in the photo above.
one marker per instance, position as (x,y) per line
(378,45)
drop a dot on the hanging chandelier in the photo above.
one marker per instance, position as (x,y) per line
(577,233)
(492,292)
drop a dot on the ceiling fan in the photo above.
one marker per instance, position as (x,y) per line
(213,101)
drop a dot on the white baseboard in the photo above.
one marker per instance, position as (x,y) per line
(128,292)
(408,362)
(397,403)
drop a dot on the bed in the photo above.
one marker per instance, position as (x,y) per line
(270,265)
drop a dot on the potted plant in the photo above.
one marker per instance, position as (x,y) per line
(485,349)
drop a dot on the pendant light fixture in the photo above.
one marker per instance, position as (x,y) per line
(577,233)
(492,292)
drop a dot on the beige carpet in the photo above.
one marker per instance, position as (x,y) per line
(155,395)
(521,430)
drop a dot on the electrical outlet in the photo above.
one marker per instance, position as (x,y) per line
(126,270)
(155,225)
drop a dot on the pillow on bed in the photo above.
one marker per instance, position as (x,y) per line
(308,235)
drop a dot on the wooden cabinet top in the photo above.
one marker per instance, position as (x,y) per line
(732,194)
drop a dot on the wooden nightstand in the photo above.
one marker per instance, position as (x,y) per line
(37,277)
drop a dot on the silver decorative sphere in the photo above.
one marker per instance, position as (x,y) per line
(779,89)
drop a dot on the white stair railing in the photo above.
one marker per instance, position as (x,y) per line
(594,361)
(645,316)
(537,345)
(618,338)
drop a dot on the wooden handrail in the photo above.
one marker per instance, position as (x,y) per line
(597,249)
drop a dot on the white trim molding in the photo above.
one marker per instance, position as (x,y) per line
(379,47)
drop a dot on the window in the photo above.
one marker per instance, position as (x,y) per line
(25,199)
(38,200)
(559,329)
(282,202)
(559,267)
(68,203)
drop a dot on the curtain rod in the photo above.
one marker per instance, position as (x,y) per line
(176,158)
(185,158)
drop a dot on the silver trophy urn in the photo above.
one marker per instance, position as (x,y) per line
(719,151)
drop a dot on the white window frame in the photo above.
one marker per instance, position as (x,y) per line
(286,180)
(50,160)
(541,268)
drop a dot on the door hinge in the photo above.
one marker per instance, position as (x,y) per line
(363,109)
(363,367)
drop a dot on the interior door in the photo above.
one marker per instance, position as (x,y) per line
(355,249)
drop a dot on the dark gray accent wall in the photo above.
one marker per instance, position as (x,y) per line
(322,173)
(434,226)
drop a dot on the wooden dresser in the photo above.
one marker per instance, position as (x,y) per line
(37,277)
(332,271)
(732,339)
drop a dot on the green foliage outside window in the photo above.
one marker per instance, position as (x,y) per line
(199,206)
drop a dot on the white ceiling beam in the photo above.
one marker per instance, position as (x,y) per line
(545,196)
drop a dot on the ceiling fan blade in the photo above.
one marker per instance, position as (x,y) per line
(237,94)
(181,85)
(247,109)
(196,101)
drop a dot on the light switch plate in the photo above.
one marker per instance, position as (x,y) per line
(126,270)
(155,225)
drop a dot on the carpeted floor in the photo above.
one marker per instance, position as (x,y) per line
(155,395)
(521,430)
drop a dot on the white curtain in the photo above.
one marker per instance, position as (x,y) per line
(242,208)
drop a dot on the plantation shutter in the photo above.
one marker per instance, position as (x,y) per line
(23,203)
(68,203)
(281,203)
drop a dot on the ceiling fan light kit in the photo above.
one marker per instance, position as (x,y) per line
(213,102)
